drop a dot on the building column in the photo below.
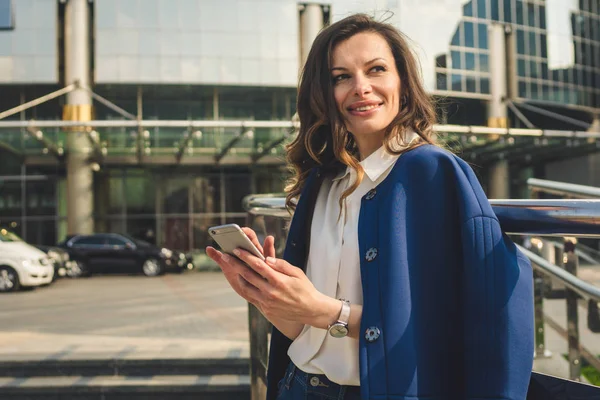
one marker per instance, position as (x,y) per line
(498,175)
(80,199)
(311,23)
(595,127)
(499,180)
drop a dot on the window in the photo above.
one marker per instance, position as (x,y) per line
(483,42)
(469,35)
(115,241)
(6,15)
(88,241)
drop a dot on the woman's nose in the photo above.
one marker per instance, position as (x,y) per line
(362,85)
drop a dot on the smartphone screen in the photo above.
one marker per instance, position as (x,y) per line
(230,237)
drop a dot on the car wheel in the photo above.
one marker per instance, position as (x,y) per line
(77,270)
(151,267)
(9,280)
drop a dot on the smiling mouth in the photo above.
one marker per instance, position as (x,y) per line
(364,108)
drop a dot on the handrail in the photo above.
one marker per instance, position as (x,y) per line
(563,188)
(583,288)
(547,217)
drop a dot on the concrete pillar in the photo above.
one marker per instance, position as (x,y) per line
(311,22)
(499,183)
(595,127)
(497,108)
(80,200)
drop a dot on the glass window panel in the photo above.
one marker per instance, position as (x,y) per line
(520,41)
(442,81)
(521,67)
(471,85)
(236,188)
(485,85)
(200,225)
(495,15)
(6,15)
(456,62)
(533,69)
(543,17)
(522,89)
(544,45)
(545,74)
(532,44)
(140,194)
(545,92)
(484,63)
(457,82)
(519,12)
(507,11)
(468,9)
(41,232)
(482,9)
(534,90)
(142,228)
(456,37)
(175,196)
(530,18)
(441,61)
(469,34)
(41,197)
(10,200)
(174,232)
(206,194)
(470,61)
(482,36)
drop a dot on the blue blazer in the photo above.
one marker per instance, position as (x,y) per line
(448,298)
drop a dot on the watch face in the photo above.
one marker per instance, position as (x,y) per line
(338,331)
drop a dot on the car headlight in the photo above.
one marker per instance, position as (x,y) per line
(166,253)
(181,256)
(54,255)
(26,262)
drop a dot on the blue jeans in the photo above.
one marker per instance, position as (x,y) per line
(298,385)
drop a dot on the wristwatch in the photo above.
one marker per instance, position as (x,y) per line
(340,328)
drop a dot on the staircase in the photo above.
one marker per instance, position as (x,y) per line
(112,379)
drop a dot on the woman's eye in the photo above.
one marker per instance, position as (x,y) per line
(339,78)
(378,68)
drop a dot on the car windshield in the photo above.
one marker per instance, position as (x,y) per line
(8,236)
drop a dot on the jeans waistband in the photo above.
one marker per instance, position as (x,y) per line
(318,382)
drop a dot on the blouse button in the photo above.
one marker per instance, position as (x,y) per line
(370,194)
(372,334)
(371,254)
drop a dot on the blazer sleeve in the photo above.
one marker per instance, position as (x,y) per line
(498,310)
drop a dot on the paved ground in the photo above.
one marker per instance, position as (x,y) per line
(192,315)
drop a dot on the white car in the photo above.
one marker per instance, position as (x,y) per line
(22,265)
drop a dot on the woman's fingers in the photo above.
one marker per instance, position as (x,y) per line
(256,264)
(253,238)
(269,248)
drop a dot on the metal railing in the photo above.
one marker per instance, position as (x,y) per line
(268,216)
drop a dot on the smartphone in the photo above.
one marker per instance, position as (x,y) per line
(230,237)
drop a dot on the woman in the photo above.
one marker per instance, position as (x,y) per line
(396,282)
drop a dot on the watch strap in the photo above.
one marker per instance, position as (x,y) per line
(344,313)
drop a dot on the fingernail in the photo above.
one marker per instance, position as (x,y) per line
(225,257)
(237,252)
(271,260)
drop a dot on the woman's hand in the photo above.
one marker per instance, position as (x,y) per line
(280,290)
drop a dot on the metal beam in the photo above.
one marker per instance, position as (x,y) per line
(520,115)
(270,146)
(554,115)
(10,149)
(231,143)
(38,101)
(38,135)
(96,149)
(109,103)
(184,143)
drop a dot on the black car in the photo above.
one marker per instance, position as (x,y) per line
(117,253)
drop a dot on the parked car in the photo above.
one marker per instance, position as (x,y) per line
(116,253)
(22,265)
(60,259)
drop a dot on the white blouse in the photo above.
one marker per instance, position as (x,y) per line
(334,269)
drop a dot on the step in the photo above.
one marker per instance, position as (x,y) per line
(125,367)
(180,387)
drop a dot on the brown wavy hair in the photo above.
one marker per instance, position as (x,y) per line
(322,139)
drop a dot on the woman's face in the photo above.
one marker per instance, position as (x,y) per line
(366,86)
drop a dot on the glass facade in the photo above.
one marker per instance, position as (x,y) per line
(557,50)
(28,41)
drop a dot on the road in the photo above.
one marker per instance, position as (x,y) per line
(189,315)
